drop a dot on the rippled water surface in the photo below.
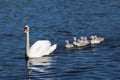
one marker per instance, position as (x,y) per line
(58,20)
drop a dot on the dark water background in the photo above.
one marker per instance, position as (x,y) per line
(58,20)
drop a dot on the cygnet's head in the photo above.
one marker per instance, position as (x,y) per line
(26,29)
(74,38)
(66,41)
(91,37)
(95,36)
(81,37)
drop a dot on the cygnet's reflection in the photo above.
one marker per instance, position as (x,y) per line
(39,64)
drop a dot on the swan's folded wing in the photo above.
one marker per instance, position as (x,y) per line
(52,48)
(39,48)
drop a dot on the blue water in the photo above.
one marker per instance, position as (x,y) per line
(58,20)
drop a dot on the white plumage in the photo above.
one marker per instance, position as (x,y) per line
(96,40)
(68,45)
(39,48)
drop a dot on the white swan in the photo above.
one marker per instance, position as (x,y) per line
(82,41)
(96,40)
(39,48)
(99,38)
(75,41)
(86,41)
(68,45)
(79,42)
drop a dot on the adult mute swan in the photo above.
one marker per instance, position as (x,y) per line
(39,48)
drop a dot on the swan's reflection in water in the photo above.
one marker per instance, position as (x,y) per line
(39,67)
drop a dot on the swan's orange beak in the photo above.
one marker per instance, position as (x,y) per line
(26,30)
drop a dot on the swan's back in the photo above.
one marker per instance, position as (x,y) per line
(40,48)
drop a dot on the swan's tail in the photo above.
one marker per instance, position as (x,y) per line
(52,48)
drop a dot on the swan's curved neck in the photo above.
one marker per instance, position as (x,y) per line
(27,43)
